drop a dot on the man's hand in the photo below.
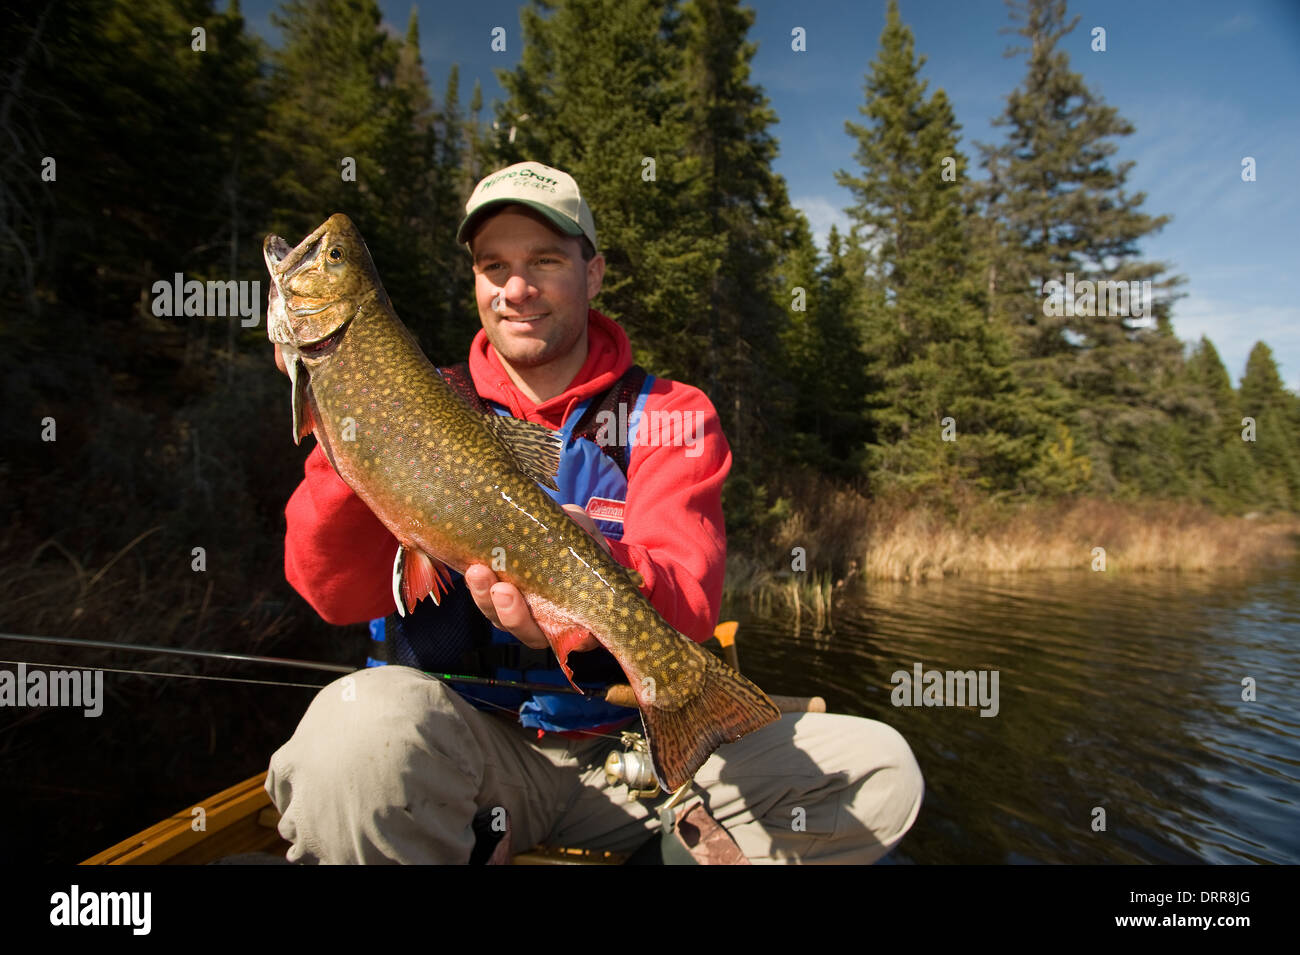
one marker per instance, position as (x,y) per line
(504,605)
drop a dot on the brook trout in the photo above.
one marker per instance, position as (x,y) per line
(453,485)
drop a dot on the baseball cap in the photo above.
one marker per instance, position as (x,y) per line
(551,192)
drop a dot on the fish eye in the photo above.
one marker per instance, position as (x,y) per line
(336,254)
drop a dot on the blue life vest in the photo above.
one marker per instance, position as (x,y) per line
(455,637)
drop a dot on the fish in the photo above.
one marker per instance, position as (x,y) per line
(458,487)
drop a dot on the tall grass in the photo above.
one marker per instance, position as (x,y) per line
(846,536)
(915,544)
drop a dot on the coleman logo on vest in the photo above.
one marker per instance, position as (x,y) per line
(605,509)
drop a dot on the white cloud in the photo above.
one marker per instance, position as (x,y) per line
(822,213)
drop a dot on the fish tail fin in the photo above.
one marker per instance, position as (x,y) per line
(726,707)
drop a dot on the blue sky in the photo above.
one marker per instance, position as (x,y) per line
(1204,83)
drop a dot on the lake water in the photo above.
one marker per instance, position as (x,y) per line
(1115,692)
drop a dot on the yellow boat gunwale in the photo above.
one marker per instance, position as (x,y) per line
(236,820)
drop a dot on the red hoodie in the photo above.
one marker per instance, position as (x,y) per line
(339,556)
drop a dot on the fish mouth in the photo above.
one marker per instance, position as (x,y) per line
(286,260)
(306,260)
(275,249)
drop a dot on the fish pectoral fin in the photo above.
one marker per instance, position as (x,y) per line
(303,422)
(535,448)
(636,578)
(306,425)
(417,575)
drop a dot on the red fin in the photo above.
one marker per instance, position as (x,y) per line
(563,642)
(441,580)
(422,575)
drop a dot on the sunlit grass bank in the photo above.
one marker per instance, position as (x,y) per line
(915,544)
(831,536)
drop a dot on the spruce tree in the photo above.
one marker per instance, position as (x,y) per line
(1217,458)
(323,127)
(112,93)
(454,177)
(1276,448)
(1061,214)
(749,209)
(822,386)
(595,94)
(408,188)
(363,141)
(951,408)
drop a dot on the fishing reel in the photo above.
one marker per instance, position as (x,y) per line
(632,768)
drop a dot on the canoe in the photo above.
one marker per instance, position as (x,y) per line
(239,824)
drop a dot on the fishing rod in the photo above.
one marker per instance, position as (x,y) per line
(619,694)
(177,651)
(275,661)
(638,785)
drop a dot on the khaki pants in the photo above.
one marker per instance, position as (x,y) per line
(391,765)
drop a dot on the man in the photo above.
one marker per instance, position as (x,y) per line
(390,764)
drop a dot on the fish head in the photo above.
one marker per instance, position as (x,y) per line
(317,287)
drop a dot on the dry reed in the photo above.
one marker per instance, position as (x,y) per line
(844,536)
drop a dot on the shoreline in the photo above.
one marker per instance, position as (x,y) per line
(853,539)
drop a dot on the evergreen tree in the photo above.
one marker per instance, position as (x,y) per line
(375,117)
(1060,210)
(749,209)
(454,179)
(474,168)
(1218,460)
(323,128)
(148,109)
(828,367)
(595,94)
(1276,448)
(239,97)
(409,165)
(113,92)
(655,114)
(953,409)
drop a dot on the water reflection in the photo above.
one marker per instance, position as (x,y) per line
(1118,693)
